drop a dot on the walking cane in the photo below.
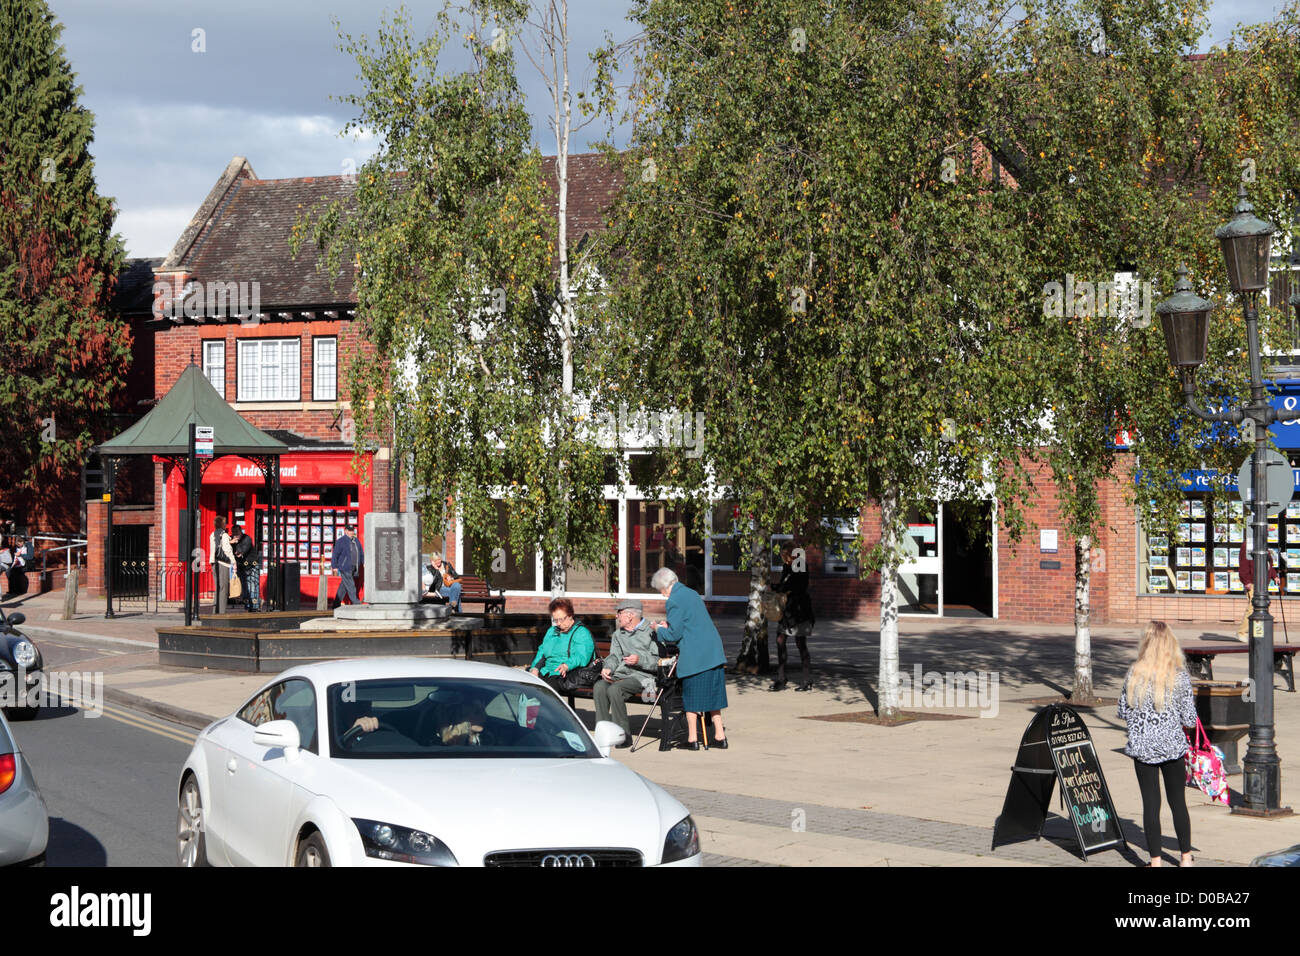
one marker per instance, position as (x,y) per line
(658,696)
(1282,606)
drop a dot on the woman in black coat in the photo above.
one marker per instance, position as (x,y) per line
(796,622)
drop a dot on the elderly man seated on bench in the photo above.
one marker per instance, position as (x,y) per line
(630,667)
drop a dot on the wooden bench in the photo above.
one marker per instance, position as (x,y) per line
(1200,660)
(478,591)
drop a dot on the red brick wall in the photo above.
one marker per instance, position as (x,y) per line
(92,583)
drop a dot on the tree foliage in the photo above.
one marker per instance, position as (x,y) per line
(803,271)
(63,353)
(453,253)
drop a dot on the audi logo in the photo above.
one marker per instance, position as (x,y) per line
(568,859)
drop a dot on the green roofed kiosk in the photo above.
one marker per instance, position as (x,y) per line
(168,432)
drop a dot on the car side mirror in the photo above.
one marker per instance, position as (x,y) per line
(608,735)
(279,733)
(16,618)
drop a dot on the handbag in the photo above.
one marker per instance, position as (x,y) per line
(773,605)
(236,586)
(582,676)
(1204,763)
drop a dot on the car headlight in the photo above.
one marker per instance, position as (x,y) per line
(384,841)
(24,654)
(682,842)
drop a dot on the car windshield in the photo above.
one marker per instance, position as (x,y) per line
(427,717)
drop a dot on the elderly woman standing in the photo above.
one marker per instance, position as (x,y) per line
(1157,704)
(700,659)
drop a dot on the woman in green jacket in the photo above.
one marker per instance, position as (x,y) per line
(567,645)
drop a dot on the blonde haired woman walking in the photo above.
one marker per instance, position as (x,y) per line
(1157,704)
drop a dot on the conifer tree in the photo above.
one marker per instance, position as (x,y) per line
(63,354)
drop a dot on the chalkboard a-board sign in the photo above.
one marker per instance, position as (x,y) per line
(1057,748)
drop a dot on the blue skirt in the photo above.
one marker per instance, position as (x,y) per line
(705,691)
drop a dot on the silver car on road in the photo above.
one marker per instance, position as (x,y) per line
(24,820)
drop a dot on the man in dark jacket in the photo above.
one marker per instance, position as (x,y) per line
(346,559)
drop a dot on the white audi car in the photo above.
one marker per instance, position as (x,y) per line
(410,761)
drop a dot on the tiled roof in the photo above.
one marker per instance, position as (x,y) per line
(134,290)
(241,232)
(593,184)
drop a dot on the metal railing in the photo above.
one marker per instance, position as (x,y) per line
(131,580)
(71,544)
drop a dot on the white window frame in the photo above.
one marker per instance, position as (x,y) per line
(317,394)
(252,391)
(219,383)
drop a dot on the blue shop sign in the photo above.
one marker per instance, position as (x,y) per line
(1286,397)
(1286,435)
(1202,480)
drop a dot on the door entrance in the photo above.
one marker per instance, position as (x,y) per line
(968,559)
(948,570)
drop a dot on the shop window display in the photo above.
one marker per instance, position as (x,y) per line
(1201,553)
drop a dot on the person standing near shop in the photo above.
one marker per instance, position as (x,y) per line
(346,559)
(248,561)
(223,561)
(1157,704)
(1246,571)
(700,659)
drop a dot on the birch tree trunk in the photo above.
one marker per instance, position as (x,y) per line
(887,684)
(753,656)
(1082,632)
(554,26)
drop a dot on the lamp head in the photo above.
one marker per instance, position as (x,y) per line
(1247,242)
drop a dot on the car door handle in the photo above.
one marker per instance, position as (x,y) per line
(232,765)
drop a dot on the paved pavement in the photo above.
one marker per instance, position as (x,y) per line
(797,791)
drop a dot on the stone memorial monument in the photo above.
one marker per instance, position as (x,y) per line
(393,582)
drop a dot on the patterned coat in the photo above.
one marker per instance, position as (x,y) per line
(1155,737)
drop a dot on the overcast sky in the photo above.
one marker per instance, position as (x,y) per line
(168,119)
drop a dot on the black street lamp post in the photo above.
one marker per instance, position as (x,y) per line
(1246,242)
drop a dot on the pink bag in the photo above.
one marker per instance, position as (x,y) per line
(1204,763)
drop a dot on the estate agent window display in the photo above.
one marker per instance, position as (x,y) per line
(1201,555)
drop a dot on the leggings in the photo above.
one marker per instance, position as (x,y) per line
(1175,775)
(801,640)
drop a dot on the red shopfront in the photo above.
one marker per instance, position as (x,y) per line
(319,493)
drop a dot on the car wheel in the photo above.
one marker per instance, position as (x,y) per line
(22,713)
(312,852)
(191,841)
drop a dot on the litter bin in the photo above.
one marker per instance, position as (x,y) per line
(289,582)
(1225,714)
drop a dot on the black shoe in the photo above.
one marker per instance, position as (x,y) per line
(777,685)
(689,745)
(720,744)
(807,685)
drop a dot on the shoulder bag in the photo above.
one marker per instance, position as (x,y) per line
(582,676)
